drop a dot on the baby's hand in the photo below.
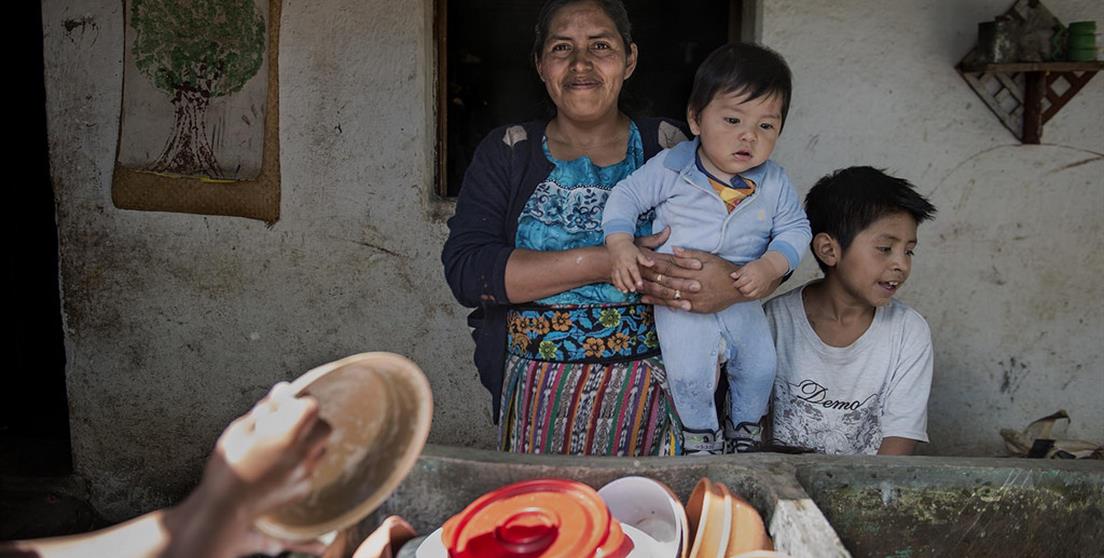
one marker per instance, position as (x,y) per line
(625,259)
(755,279)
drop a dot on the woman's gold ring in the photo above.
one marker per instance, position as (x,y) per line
(659,279)
(678,294)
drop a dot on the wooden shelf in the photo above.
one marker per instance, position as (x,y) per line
(1014,67)
(1025,95)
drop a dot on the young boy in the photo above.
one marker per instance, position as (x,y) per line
(854,365)
(719,193)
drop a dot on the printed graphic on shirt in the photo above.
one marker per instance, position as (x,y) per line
(806,415)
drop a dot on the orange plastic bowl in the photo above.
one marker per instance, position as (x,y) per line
(550,518)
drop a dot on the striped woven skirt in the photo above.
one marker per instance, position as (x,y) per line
(588,409)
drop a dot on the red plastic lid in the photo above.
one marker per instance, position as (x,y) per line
(549,518)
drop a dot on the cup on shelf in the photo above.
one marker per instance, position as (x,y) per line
(1082,41)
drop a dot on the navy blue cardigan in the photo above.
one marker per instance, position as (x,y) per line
(505,170)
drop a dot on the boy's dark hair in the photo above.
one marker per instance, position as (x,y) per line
(846,202)
(743,68)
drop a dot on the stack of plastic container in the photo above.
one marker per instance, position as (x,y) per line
(631,517)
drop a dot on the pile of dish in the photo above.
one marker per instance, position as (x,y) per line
(631,517)
(373,446)
(724,524)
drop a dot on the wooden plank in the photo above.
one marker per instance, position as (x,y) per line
(440,28)
(1014,67)
(1052,96)
(1032,114)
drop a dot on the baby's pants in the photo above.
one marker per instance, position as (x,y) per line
(691,344)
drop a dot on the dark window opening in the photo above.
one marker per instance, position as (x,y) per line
(486,76)
(34,412)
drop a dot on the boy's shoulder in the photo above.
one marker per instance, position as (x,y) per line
(784,301)
(786,313)
(899,325)
(897,314)
(896,320)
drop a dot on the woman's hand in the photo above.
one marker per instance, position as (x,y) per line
(693,280)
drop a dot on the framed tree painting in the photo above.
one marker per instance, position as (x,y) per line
(199,128)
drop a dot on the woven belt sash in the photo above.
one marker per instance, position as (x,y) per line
(590,334)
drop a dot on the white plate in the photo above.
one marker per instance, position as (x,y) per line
(432,547)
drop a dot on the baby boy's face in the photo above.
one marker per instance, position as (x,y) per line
(737,134)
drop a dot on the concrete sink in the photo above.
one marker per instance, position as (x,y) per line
(820,506)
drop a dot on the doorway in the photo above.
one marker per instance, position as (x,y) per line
(34,414)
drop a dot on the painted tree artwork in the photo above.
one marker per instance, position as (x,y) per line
(194,90)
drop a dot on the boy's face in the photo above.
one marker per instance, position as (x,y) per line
(737,134)
(878,261)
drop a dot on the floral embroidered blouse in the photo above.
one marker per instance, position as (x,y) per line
(565,212)
(595,322)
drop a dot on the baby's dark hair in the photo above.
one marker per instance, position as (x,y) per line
(742,68)
(846,202)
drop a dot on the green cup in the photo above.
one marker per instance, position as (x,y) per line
(1082,28)
(1077,42)
(1082,41)
(1082,54)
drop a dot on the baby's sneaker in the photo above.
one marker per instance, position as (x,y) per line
(744,437)
(702,442)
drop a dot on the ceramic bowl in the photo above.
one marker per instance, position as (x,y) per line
(747,532)
(651,507)
(644,546)
(710,516)
(380,406)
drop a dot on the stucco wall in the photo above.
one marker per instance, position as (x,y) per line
(177,323)
(1008,273)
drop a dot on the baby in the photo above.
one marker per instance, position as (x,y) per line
(719,192)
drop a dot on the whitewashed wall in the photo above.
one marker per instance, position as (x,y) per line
(177,323)
(1008,274)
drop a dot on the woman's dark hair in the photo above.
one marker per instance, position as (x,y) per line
(846,202)
(744,68)
(615,9)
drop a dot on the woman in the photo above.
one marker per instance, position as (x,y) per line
(571,363)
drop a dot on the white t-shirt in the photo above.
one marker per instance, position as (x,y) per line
(844,400)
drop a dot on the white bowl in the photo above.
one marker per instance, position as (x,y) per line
(651,507)
(432,546)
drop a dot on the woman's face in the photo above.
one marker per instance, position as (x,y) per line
(584,62)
